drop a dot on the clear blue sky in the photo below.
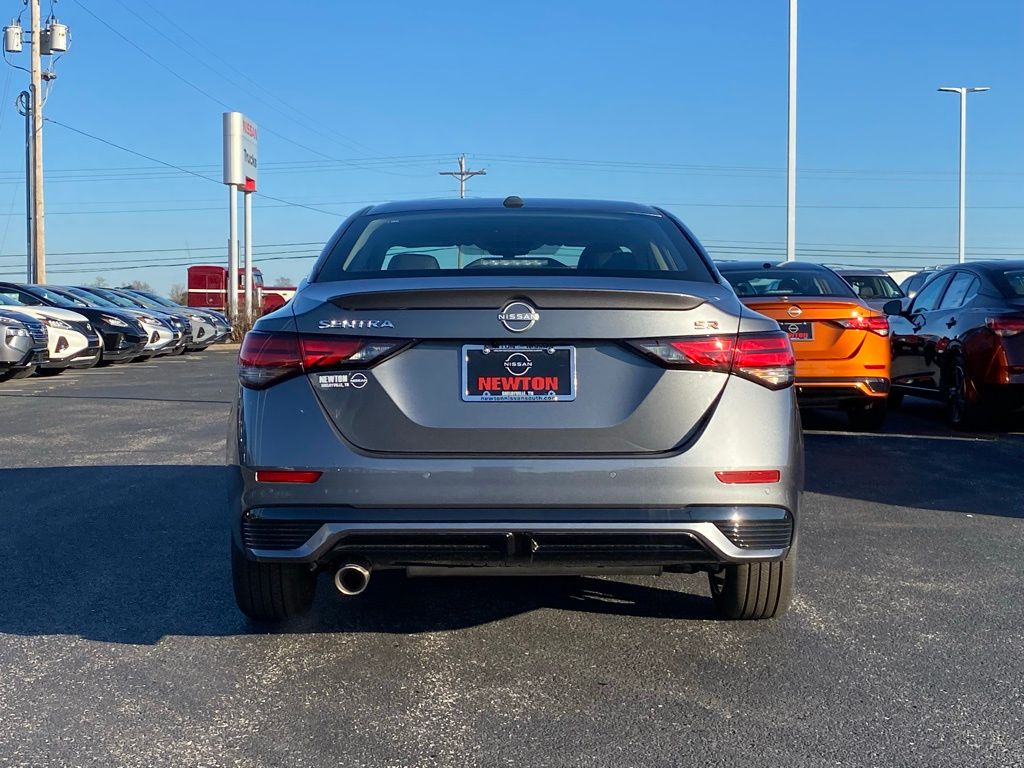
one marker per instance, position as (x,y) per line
(675,103)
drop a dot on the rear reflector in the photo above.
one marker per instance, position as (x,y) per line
(266,358)
(1008,325)
(766,358)
(737,476)
(286,476)
(875,323)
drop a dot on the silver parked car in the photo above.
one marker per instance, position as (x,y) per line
(23,344)
(478,387)
(875,287)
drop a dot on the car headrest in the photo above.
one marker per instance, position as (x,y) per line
(412,261)
(609,257)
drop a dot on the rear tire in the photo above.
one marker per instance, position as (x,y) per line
(962,408)
(869,417)
(271,592)
(752,591)
(895,400)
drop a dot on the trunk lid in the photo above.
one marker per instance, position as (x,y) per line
(828,340)
(416,400)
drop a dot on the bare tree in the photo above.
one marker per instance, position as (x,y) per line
(139,285)
(100,282)
(283,282)
(178,294)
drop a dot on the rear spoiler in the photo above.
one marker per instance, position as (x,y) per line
(542,298)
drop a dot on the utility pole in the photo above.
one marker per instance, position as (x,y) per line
(791,144)
(38,222)
(462,175)
(45,39)
(962,228)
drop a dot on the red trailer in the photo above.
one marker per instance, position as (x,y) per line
(207,288)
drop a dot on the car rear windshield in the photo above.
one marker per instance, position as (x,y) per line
(428,244)
(786,282)
(874,286)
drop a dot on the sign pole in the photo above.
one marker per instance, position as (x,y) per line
(241,164)
(231,284)
(247,230)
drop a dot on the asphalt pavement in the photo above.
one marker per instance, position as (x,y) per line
(120,643)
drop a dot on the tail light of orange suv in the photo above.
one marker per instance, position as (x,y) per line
(874,323)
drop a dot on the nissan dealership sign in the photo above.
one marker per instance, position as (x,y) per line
(240,154)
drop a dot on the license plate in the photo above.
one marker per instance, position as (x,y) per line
(799,331)
(508,373)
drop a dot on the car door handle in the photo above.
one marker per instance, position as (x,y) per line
(951,322)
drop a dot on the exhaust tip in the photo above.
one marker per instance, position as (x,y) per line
(351,579)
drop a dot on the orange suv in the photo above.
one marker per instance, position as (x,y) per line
(841,344)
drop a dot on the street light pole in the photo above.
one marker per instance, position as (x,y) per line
(962,227)
(791,144)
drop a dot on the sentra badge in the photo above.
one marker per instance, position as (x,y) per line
(324,324)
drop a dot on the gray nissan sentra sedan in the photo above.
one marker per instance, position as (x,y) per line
(481,387)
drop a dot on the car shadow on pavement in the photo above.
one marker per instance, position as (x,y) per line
(131,554)
(980,477)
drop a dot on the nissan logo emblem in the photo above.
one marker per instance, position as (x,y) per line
(794,311)
(518,316)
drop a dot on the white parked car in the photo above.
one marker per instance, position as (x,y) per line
(72,341)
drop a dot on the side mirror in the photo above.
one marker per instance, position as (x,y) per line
(894,307)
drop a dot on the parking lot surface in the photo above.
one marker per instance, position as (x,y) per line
(120,643)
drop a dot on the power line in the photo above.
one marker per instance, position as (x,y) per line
(690,167)
(228,64)
(222,103)
(181,168)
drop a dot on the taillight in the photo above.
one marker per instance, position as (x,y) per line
(710,352)
(766,358)
(266,358)
(1008,325)
(875,323)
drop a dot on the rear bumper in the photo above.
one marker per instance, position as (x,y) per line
(430,510)
(839,392)
(539,538)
